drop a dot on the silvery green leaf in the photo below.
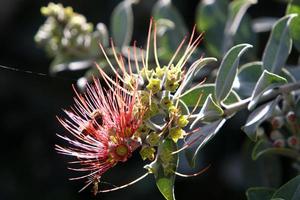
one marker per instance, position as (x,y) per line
(279,45)
(191,96)
(289,191)
(294,7)
(209,112)
(258,116)
(211,17)
(122,23)
(265,83)
(199,138)
(247,78)
(192,72)
(259,193)
(228,71)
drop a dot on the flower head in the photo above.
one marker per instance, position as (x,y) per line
(102,123)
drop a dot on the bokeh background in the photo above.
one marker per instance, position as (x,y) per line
(29,103)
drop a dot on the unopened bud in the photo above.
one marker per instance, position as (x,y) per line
(182,121)
(147,153)
(279,143)
(293,142)
(277,122)
(291,117)
(154,85)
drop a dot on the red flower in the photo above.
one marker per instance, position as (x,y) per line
(102,123)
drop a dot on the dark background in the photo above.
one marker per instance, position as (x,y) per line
(29,166)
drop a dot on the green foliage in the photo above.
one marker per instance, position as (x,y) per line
(122,23)
(178,107)
(228,71)
(191,97)
(279,45)
(294,8)
(259,193)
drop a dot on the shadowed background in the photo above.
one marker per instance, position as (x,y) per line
(29,166)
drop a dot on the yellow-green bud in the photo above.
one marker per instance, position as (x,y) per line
(166,102)
(182,121)
(173,110)
(176,133)
(154,85)
(171,85)
(153,139)
(160,72)
(147,153)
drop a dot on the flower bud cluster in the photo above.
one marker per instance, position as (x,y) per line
(156,94)
(285,130)
(64,30)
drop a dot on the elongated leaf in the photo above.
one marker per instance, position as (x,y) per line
(266,82)
(238,27)
(294,7)
(122,23)
(164,167)
(259,193)
(169,41)
(211,18)
(191,96)
(264,147)
(228,71)
(279,45)
(200,138)
(289,191)
(247,78)
(209,112)
(192,72)
(259,115)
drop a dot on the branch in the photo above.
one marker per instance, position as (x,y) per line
(284,89)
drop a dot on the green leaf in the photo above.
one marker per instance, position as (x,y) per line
(190,97)
(164,168)
(238,27)
(211,18)
(266,82)
(289,191)
(294,7)
(198,139)
(210,111)
(192,72)
(121,23)
(259,115)
(259,193)
(247,78)
(279,45)
(169,41)
(264,147)
(266,171)
(228,71)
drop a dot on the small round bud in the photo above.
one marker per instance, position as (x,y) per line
(279,143)
(154,85)
(176,133)
(293,142)
(147,153)
(291,117)
(182,121)
(277,122)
